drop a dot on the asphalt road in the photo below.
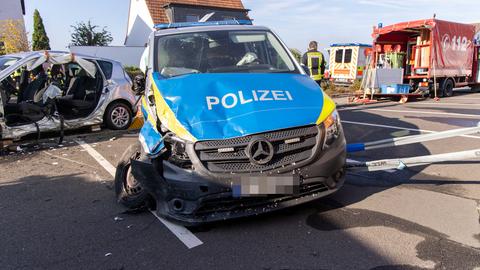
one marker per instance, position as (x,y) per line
(57,208)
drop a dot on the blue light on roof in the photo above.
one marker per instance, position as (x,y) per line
(192,24)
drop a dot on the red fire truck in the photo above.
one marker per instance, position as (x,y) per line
(434,56)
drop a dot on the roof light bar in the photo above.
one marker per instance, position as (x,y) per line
(193,24)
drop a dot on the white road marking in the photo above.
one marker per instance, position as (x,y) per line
(401,128)
(441,104)
(98,157)
(183,234)
(187,237)
(455,98)
(425,112)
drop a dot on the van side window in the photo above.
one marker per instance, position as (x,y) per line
(339,56)
(192,18)
(107,68)
(348,56)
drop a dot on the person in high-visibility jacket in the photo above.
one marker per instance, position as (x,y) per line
(16,78)
(315,61)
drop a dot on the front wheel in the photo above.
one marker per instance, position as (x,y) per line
(118,116)
(128,190)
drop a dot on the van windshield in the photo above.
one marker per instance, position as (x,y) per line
(221,52)
(6,61)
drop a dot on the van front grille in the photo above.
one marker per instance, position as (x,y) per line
(290,146)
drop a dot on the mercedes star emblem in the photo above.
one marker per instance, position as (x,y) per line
(260,151)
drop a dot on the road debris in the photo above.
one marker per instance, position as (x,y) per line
(15,148)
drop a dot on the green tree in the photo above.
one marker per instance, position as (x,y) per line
(85,34)
(40,40)
(13,38)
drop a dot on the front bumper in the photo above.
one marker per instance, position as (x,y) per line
(192,197)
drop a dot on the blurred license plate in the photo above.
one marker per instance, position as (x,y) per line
(266,185)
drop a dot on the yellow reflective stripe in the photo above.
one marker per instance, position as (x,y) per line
(328,108)
(149,116)
(310,56)
(168,118)
(317,77)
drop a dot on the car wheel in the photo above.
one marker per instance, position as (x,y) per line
(118,116)
(448,88)
(128,190)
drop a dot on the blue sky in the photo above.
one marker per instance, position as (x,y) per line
(297,21)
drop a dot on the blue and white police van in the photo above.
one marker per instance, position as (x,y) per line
(234,127)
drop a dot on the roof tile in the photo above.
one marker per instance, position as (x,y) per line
(158,12)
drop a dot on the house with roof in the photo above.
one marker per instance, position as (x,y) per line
(145,14)
(12,11)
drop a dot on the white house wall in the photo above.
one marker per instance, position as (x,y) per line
(128,56)
(11,10)
(140,24)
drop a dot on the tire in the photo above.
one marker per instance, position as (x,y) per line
(118,116)
(129,192)
(476,88)
(448,88)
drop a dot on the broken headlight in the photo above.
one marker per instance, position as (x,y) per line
(178,153)
(332,128)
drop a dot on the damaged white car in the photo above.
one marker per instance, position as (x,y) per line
(56,91)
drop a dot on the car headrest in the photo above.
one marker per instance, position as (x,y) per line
(81,73)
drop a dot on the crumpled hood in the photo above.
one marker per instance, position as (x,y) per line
(223,106)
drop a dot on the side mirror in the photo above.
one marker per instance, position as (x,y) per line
(139,85)
(306,69)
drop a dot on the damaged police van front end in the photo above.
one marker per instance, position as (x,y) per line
(233,127)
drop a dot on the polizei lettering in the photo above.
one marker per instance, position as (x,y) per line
(231,100)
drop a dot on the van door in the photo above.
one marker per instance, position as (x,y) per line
(344,60)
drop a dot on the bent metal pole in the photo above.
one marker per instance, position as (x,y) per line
(392,142)
(402,163)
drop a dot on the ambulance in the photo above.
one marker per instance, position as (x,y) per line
(347,62)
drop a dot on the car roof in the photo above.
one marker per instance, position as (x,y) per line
(195,29)
(40,53)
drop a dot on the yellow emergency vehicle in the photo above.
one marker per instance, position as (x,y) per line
(347,62)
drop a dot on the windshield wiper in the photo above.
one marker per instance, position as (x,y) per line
(177,71)
(243,68)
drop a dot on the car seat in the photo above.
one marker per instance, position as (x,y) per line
(76,102)
(33,87)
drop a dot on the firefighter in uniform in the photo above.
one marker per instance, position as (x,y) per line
(16,78)
(315,61)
